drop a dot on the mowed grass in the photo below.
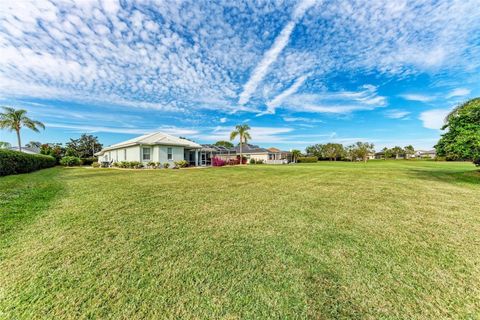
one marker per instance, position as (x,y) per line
(389,239)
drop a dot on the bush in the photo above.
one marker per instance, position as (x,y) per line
(96,165)
(151,165)
(88,161)
(477,161)
(166,165)
(217,162)
(252,161)
(307,159)
(181,164)
(69,161)
(13,162)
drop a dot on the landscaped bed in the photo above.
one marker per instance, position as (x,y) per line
(389,239)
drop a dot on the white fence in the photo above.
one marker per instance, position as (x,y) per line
(283,161)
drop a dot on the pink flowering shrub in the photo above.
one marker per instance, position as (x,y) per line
(217,162)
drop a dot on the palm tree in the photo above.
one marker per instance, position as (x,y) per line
(295,154)
(241,131)
(14,120)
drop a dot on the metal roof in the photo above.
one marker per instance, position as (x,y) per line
(155,138)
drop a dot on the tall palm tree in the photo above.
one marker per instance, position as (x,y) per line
(295,154)
(14,120)
(241,131)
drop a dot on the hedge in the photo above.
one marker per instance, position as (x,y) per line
(307,159)
(13,162)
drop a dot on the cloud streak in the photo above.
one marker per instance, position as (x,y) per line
(272,54)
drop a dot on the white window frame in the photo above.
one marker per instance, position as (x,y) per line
(169,153)
(149,154)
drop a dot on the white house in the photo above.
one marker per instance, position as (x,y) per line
(153,147)
(25,150)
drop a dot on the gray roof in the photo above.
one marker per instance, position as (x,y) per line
(155,138)
(25,150)
(251,148)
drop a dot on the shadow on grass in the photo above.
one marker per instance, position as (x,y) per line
(471,177)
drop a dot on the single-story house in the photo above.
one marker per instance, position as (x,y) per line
(430,154)
(25,150)
(152,147)
(164,148)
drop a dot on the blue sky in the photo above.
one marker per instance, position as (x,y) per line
(297,72)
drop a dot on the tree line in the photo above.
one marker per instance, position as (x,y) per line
(337,151)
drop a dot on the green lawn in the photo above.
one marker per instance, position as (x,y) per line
(390,239)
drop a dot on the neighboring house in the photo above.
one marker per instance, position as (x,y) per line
(164,148)
(269,156)
(379,155)
(26,150)
(430,154)
(153,147)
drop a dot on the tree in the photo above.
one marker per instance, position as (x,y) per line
(241,131)
(397,151)
(4,145)
(14,120)
(387,153)
(363,150)
(33,145)
(461,141)
(83,147)
(316,150)
(332,151)
(409,151)
(295,154)
(53,149)
(350,152)
(223,143)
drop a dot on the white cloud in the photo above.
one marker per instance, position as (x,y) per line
(417,97)
(336,102)
(301,119)
(285,94)
(459,92)
(396,114)
(272,54)
(259,134)
(92,128)
(223,120)
(434,119)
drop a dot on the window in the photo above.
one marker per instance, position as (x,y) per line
(125,154)
(169,154)
(146,154)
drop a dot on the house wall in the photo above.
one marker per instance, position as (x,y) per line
(256,156)
(158,153)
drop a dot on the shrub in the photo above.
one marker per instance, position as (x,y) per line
(166,165)
(97,165)
(70,161)
(259,161)
(217,162)
(307,159)
(13,162)
(88,161)
(135,165)
(151,165)
(181,164)
(158,165)
(252,161)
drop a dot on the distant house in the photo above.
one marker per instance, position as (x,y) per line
(25,150)
(269,156)
(429,154)
(153,147)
